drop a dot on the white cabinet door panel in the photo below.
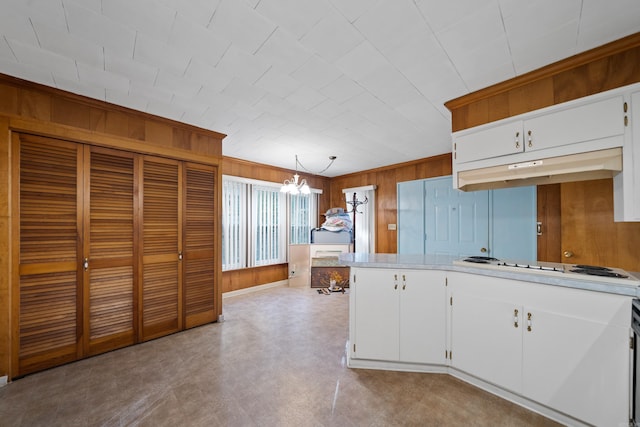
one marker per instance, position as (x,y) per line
(577,366)
(376,314)
(423,317)
(485,340)
(489,142)
(588,122)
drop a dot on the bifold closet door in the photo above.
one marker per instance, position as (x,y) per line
(109,261)
(199,244)
(47,299)
(161,293)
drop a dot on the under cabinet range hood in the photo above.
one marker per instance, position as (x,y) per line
(573,167)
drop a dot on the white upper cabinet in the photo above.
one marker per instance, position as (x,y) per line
(564,125)
(626,185)
(593,121)
(487,143)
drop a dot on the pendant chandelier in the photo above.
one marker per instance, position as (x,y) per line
(295,185)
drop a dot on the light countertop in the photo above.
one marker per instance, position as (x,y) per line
(627,287)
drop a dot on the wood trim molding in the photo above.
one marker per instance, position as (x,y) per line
(70,133)
(59,93)
(550,70)
(395,166)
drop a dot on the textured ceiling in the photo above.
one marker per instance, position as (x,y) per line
(363,80)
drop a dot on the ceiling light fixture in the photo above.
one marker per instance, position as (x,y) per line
(295,186)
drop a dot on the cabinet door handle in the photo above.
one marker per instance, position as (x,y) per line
(515,318)
(85,264)
(530,139)
(529,322)
(404,282)
(180,255)
(517,139)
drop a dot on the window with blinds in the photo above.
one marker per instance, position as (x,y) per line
(303,210)
(268,223)
(234,224)
(258,221)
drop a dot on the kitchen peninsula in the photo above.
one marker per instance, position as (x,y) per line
(555,342)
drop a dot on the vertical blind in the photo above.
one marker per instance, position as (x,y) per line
(303,210)
(258,221)
(234,230)
(268,224)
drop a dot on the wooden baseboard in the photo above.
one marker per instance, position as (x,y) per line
(255,288)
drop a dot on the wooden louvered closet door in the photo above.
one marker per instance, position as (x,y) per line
(48,327)
(199,241)
(161,239)
(109,250)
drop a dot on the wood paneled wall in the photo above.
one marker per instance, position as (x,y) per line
(249,277)
(35,109)
(607,67)
(386,180)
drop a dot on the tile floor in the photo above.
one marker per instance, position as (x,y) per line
(278,359)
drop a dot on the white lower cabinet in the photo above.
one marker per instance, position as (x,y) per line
(398,315)
(566,349)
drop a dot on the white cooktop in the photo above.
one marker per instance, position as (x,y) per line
(556,270)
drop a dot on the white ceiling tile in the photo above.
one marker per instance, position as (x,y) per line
(144,16)
(316,73)
(328,109)
(163,109)
(136,71)
(95,5)
(341,89)
(517,24)
(241,91)
(232,20)
(442,14)
(60,41)
(237,63)
(75,86)
(27,54)
(92,76)
(353,9)
(296,16)
(366,78)
(5,51)
(390,86)
(390,21)
(185,87)
(48,11)
(605,21)
(85,23)
(150,92)
(283,51)
(273,105)
(277,83)
(199,12)
(473,32)
(126,100)
(152,52)
(549,47)
(361,61)
(15,25)
(305,98)
(27,72)
(332,37)
(197,40)
(207,75)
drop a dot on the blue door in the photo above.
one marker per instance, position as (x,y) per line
(410,217)
(456,222)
